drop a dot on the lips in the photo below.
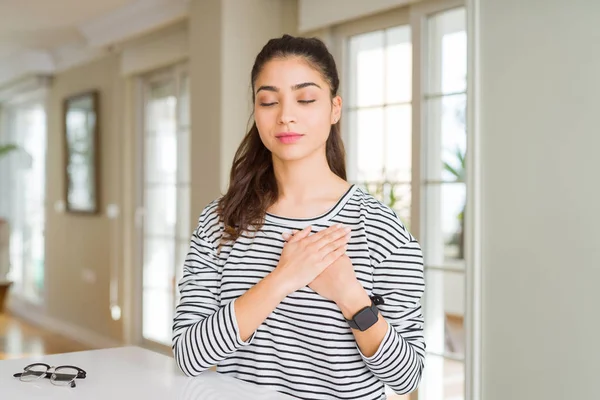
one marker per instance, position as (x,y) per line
(289,137)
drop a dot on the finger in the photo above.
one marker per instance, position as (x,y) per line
(297,235)
(320,235)
(288,235)
(333,256)
(333,245)
(333,236)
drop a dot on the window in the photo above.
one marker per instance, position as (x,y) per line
(24,124)
(379,113)
(165,198)
(443,190)
(404,75)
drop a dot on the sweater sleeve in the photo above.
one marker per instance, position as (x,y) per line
(399,360)
(205,331)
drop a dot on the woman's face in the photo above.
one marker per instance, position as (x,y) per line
(293,109)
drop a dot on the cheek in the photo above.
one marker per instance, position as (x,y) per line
(263,125)
(262,120)
(319,122)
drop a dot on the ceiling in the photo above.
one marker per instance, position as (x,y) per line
(46,25)
(46,36)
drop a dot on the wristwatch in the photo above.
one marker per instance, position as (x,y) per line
(367,317)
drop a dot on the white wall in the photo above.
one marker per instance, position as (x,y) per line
(225,36)
(157,50)
(316,14)
(540,138)
(246,29)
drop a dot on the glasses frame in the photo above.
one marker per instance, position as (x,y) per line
(51,373)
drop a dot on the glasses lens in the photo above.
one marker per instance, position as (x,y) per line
(33,372)
(63,376)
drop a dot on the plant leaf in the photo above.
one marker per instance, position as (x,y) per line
(451,169)
(7,148)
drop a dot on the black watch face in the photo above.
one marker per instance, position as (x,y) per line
(365,319)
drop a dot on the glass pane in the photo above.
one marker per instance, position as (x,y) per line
(157,315)
(443,379)
(444,311)
(401,202)
(448,52)
(184,102)
(366,129)
(159,257)
(395,195)
(183,246)
(367,69)
(25,181)
(183,212)
(446,140)
(398,146)
(161,108)
(161,158)
(444,226)
(398,85)
(183,156)
(160,207)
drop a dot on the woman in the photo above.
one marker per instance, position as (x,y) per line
(296,279)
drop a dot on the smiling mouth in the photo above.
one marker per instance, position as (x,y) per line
(290,137)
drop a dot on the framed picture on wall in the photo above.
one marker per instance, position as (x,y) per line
(81,116)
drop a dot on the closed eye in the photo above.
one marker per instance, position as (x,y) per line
(306,101)
(268,104)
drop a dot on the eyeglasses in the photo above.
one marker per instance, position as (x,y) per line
(63,375)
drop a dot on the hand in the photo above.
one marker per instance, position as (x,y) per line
(338,281)
(304,258)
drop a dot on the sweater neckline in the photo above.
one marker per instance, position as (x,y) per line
(323,218)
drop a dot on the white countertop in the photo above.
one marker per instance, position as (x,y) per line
(127,373)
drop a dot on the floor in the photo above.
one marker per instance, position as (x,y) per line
(18,339)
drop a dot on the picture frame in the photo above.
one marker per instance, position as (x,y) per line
(81,137)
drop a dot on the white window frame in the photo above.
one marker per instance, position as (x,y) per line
(415,15)
(27,93)
(140,98)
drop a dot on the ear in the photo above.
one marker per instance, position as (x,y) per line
(336,109)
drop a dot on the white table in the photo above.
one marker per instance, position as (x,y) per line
(127,373)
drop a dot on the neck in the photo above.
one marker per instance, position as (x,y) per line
(304,179)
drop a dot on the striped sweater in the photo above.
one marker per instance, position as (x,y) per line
(304,348)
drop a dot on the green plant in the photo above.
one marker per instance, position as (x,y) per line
(459,174)
(385,191)
(459,171)
(7,148)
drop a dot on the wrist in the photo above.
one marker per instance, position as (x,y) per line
(353,301)
(278,284)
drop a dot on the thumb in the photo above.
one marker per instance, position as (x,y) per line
(287,235)
(296,236)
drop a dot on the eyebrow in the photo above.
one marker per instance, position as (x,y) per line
(295,87)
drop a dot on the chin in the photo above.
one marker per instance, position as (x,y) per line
(292,153)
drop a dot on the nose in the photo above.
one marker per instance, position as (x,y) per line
(286,113)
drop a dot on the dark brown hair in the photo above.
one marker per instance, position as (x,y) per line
(252,185)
